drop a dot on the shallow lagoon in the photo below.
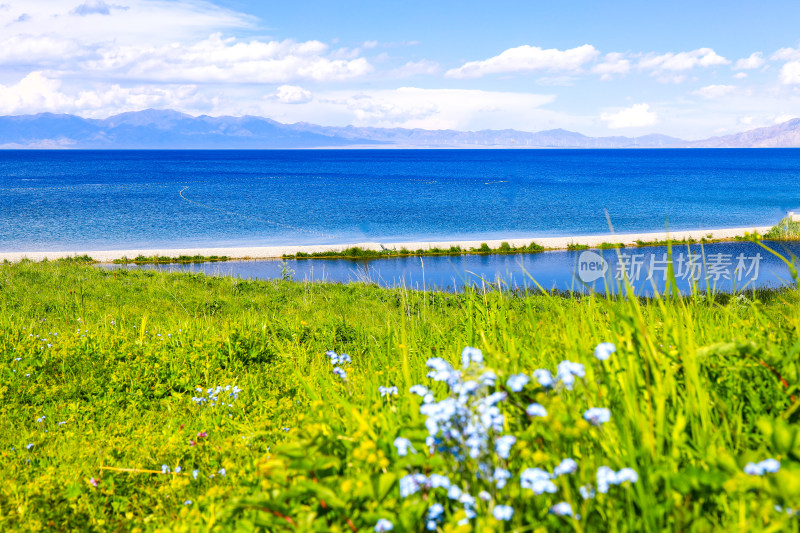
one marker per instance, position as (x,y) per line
(729,266)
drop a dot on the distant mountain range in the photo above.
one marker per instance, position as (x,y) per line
(165,129)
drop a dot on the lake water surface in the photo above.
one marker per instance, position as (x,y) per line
(115,200)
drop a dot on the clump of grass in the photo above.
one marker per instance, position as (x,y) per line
(573,247)
(641,243)
(79,259)
(362,253)
(786,229)
(160,259)
(610,245)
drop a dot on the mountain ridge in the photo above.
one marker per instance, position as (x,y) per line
(169,129)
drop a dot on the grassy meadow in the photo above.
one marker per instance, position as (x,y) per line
(103,428)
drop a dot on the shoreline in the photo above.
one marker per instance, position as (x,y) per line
(277,252)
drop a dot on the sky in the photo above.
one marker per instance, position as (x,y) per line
(687,69)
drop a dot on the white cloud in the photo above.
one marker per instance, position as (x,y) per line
(526,59)
(755,60)
(178,41)
(228,60)
(784,118)
(42,51)
(786,54)
(137,22)
(613,64)
(33,94)
(370,44)
(636,116)
(715,91)
(740,75)
(36,93)
(416,68)
(291,94)
(404,107)
(412,107)
(702,57)
(790,73)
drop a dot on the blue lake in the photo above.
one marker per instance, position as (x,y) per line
(726,267)
(84,200)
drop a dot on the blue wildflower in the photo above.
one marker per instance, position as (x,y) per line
(468,501)
(604,350)
(606,477)
(488,379)
(501,476)
(187,502)
(29,446)
(535,409)
(387,391)
(503,445)
(221,472)
(597,415)
(537,480)
(441,370)
(495,398)
(338,359)
(419,390)
(503,512)
(403,445)
(195,473)
(544,377)
(339,372)
(561,509)
(411,483)
(789,511)
(438,481)
(471,355)
(586,492)
(567,466)
(164,469)
(435,514)
(568,371)
(422,391)
(383,525)
(627,474)
(763,467)
(454,492)
(177,469)
(517,382)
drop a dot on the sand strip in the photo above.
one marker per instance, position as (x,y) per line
(265,252)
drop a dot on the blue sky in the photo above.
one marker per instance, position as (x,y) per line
(689,69)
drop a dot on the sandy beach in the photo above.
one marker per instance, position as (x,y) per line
(267,252)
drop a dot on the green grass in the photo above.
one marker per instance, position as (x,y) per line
(698,387)
(786,229)
(356,252)
(159,259)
